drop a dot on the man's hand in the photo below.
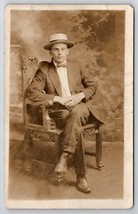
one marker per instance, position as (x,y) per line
(70,101)
(62,100)
(74,100)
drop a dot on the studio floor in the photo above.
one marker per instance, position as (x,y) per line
(105,184)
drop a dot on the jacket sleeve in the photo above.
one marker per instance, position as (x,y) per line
(36,89)
(90,86)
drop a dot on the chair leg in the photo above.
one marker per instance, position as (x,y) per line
(28,151)
(99,162)
(58,149)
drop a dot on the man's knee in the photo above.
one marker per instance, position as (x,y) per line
(80,112)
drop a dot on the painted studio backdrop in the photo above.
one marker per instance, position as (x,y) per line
(99,39)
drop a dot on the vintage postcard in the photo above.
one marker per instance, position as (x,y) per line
(69,106)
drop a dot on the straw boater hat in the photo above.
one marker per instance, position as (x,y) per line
(58,38)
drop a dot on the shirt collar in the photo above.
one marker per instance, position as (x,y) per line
(56,64)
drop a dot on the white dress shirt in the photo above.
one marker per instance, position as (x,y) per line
(63,77)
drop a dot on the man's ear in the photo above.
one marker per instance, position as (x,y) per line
(50,52)
(67,51)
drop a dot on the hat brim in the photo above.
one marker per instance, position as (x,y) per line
(69,44)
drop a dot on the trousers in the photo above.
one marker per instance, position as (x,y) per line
(71,122)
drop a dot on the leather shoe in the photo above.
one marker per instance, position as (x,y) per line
(61,167)
(57,179)
(82,185)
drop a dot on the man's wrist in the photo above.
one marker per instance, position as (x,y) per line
(56,99)
(82,95)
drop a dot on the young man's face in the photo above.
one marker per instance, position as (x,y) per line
(59,52)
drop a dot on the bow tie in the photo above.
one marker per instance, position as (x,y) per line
(63,65)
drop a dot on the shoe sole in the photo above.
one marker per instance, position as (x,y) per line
(82,190)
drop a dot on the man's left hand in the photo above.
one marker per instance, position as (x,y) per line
(75,99)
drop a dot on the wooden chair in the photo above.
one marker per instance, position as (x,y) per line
(41,129)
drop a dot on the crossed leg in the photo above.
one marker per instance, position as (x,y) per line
(72,140)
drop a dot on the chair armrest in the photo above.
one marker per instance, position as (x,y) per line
(91,125)
(48,122)
(28,101)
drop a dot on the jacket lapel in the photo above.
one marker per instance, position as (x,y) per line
(55,79)
(71,77)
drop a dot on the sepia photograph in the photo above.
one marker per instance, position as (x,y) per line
(68,106)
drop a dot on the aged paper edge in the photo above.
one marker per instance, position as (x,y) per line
(127,201)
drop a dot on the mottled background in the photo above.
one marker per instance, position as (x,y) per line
(99,38)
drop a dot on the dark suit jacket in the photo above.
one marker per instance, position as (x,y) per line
(46,78)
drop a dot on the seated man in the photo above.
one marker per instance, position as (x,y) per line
(65,83)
